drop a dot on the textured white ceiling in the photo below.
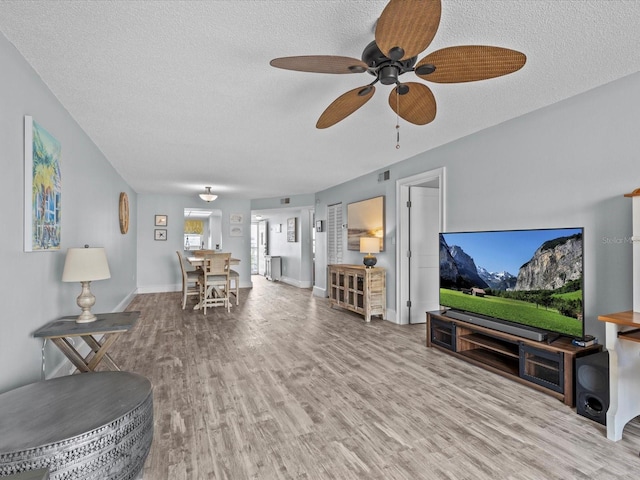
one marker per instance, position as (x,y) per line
(180,94)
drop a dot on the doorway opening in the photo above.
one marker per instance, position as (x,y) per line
(202,229)
(287,233)
(421,217)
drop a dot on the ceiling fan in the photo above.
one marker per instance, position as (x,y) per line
(406,28)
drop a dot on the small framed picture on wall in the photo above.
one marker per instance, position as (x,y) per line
(161,220)
(291,229)
(160,234)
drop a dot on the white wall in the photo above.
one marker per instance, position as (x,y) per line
(32,291)
(565,165)
(158,269)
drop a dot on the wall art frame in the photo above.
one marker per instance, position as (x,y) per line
(42,189)
(123,212)
(161,220)
(236,231)
(292,230)
(160,234)
(365,219)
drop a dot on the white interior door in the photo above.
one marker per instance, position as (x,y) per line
(424,226)
(262,245)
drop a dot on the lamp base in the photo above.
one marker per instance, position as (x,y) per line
(85,301)
(369,261)
(86,317)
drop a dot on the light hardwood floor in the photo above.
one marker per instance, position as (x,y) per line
(284,387)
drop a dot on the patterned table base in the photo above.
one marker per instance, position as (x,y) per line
(116,451)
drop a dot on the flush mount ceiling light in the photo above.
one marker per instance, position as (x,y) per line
(207,196)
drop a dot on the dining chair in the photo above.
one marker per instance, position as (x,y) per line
(190,284)
(235,278)
(214,281)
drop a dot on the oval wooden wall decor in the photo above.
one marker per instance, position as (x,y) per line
(124,213)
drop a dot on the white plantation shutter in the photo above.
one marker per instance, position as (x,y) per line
(334,234)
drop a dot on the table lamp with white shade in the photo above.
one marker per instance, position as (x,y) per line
(369,245)
(85,265)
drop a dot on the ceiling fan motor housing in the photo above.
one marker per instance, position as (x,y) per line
(385,69)
(388,75)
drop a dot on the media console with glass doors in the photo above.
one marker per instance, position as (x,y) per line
(547,367)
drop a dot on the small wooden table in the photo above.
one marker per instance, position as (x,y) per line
(622,336)
(110,325)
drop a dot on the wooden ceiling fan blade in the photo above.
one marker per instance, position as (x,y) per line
(320,64)
(470,63)
(407,27)
(417,106)
(345,105)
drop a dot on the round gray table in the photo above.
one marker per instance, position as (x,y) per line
(89,426)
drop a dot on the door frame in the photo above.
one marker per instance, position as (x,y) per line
(431,177)
(263,248)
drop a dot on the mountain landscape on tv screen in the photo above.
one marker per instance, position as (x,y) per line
(545,291)
(553,265)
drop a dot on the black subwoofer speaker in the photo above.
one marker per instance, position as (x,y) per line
(592,386)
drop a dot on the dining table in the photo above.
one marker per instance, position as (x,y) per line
(199,261)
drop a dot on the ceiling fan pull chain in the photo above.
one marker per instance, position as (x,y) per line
(397,119)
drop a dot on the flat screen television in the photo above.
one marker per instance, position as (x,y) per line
(515,278)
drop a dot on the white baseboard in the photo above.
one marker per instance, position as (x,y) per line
(125,302)
(320,292)
(160,288)
(391,316)
(295,283)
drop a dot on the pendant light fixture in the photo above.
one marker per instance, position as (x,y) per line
(207,196)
